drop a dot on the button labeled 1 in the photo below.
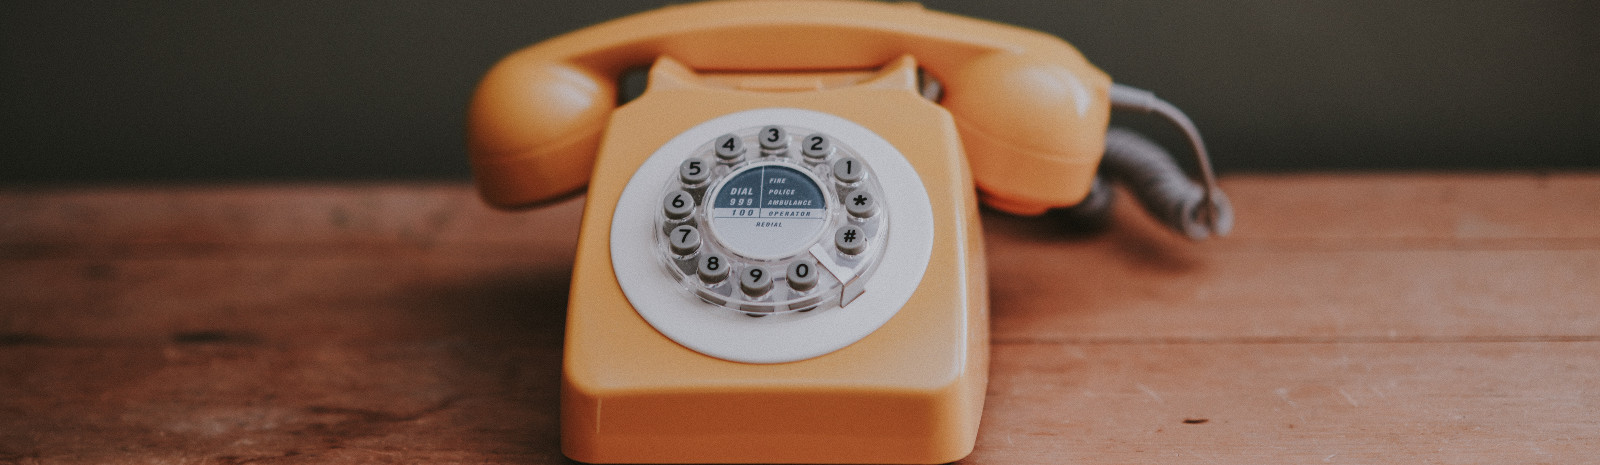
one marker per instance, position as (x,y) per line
(847,169)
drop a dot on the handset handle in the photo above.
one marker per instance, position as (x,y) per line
(1031,110)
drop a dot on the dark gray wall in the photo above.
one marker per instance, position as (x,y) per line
(210,91)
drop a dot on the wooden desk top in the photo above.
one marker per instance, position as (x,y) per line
(1349,319)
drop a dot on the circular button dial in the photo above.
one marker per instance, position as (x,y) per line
(794,226)
(697,299)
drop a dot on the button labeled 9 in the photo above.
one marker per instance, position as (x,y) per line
(755,280)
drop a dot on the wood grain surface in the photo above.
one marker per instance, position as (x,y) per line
(1375,318)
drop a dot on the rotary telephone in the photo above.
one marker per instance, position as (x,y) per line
(781,258)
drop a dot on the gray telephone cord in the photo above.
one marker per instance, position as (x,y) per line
(1149,171)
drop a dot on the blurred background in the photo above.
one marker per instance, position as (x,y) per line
(205,92)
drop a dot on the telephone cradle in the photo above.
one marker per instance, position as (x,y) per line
(780,257)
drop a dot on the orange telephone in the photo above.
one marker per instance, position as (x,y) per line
(781,259)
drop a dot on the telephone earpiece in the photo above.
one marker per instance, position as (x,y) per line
(534,127)
(1031,111)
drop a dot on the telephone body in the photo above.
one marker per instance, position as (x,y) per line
(781,259)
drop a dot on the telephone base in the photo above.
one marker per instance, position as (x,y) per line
(907,387)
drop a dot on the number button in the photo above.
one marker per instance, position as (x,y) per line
(755,281)
(678,204)
(730,147)
(712,268)
(848,169)
(774,138)
(816,146)
(693,171)
(803,274)
(860,203)
(850,239)
(684,239)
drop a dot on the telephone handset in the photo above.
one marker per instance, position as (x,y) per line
(781,259)
(1030,109)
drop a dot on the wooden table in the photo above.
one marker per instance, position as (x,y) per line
(1350,319)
